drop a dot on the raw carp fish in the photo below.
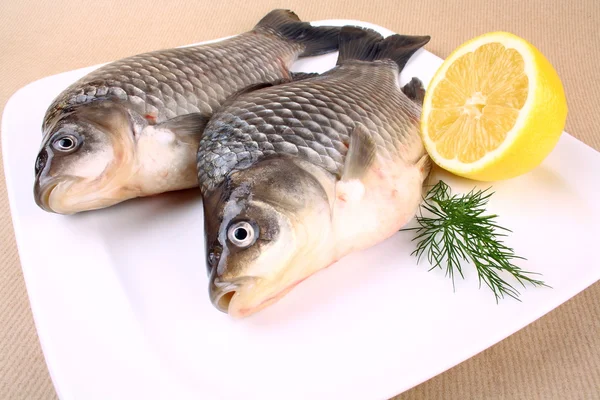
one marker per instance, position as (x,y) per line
(296,176)
(131,128)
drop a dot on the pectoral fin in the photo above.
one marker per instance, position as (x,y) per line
(186,125)
(425,165)
(361,153)
(414,90)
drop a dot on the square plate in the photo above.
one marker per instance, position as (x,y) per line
(120,300)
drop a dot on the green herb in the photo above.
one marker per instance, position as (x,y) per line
(458,231)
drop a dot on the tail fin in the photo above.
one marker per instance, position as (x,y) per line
(367,45)
(317,39)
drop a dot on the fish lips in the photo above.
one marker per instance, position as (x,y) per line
(45,186)
(222,292)
(42,189)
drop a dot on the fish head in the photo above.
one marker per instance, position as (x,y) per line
(267,228)
(85,159)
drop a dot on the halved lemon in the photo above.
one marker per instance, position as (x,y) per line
(494,110)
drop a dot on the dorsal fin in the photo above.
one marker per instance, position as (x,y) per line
(277,18)
(317,39)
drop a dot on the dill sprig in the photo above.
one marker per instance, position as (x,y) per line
(457,231)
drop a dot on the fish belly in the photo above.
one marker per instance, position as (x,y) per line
(370,210)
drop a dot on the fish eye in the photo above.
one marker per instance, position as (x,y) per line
(65,143)
(241,234)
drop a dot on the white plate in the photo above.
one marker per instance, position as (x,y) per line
(120,300)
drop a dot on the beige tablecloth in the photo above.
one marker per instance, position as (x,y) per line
(556,357)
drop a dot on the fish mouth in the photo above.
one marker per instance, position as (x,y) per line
(42,190)
(56,194)
(67,194)
(222,292)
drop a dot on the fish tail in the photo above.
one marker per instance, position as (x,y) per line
(367,45)
(316,39)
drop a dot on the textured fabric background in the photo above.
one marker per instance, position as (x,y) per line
(556,357)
